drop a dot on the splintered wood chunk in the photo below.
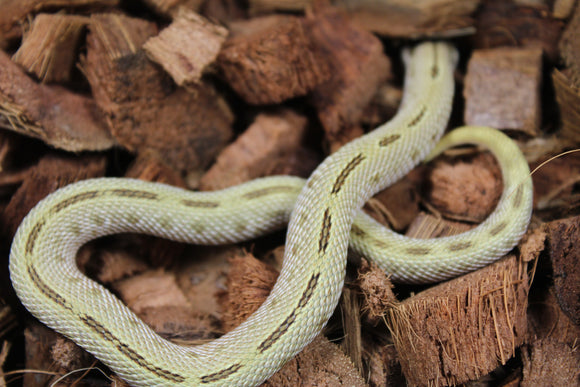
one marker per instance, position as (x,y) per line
(270,140)
(463,328)
(568,97)
(270,59)
(187,46)
(359,66)
(146,111)
(502,89)
(50,113)
(49,48)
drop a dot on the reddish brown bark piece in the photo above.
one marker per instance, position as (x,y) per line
(146,111)
(187,47)
(270,140)
(358,67)
(465,190)
(49,47)
(321,363)
(15,11)
(50,113)
(502,89)
(157,299)
(51,173)
(515,24)
(270,59)
(463,328)
(568,97)
(564,250)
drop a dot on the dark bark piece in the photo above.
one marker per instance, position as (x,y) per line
(551,357)
(563,237)
(49,47)
(187,47)
(550,363)
(358,67)
(51,173)
(507,23)
(146,111)
(50,113)
(463,328)
(271,59)
(502,89)
(50,351)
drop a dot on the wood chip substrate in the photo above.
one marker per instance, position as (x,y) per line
(206,95)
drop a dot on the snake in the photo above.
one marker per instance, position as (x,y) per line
(323,216)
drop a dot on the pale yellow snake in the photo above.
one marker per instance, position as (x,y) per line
(320,213)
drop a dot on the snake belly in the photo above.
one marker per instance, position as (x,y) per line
(46,279)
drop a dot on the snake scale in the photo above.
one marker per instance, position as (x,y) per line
(319,212)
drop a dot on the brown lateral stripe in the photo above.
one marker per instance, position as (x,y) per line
(283,328)
(221,374)
(389,139)
(46,290)
(33,236)
(518,197)
(325,232)
(75,199)
(434,71)
(267,191)
(357,231)
(307,294)
(134,193)
(459,246)
(497,229)
(418,251)
(128,352)
(340,179)
(418,117)
(380,244)
(199,203)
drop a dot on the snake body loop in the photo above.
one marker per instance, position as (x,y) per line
(320,212)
